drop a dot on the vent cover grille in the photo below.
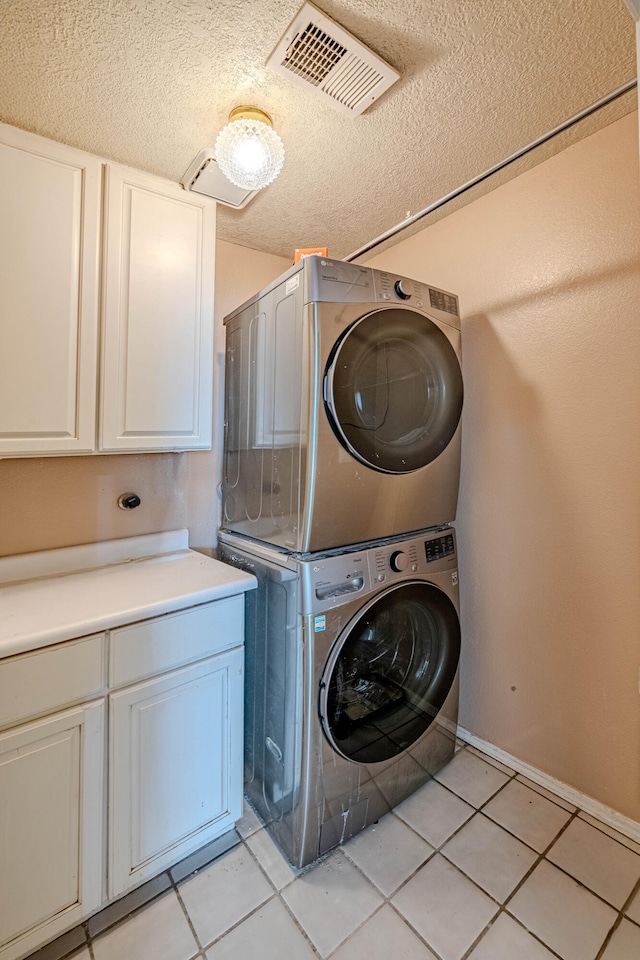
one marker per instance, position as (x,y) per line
(313,54)
(353,83)
(320,55)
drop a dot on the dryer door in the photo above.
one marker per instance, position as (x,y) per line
(390,672)
(393,390)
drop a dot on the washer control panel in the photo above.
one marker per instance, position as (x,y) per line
(439,548)
(393,559)
(412,556)
(333,579)
(337,578)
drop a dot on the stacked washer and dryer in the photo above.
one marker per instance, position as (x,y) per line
(343,399)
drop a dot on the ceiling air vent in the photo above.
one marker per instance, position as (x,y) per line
(318,54)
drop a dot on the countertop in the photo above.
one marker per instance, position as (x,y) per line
(73,592)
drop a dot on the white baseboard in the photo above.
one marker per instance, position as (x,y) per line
(630,828)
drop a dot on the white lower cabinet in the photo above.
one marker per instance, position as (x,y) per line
(51,826)
(169,767)
(176,767)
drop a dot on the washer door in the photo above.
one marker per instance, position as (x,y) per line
(393,390)
(390,672)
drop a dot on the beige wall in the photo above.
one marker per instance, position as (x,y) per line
(60,501)
(546,268)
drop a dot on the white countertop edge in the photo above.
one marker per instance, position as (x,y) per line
(51,563)
(79,601)
(9,647)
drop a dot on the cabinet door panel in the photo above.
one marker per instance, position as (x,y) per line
(176,755)
(49,233)
(51,782)
(158,315)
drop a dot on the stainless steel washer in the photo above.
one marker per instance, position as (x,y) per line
(343,403)
(351,681)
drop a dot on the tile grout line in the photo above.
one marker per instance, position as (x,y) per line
(573,815)
(501,906)
(630,845)
(543,856)
(540,856)
(92,955)
(435,850)
(618,921)
(386,901)
(298,925)
(234,926)
(503,912)
(174,886)
(438,849)
(278,893)
(433,950)
(576,812)
(576,880)
(346,940)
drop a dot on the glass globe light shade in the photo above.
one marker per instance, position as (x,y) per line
(248,150)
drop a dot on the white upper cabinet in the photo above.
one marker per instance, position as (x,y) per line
(157,357)
(156,342)
(49,250)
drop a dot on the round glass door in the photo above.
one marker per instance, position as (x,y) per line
(390,674)
(394,390)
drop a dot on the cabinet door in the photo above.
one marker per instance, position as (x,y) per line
(176,767)
(157,361)
(49,235)
(51,830)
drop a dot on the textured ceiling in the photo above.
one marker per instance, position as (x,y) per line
(150,82)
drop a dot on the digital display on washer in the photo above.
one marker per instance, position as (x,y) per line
(440,548)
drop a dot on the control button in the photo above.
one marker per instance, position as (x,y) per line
(399,561)
(419,303)
(414,567)
(381,578)
(400,287)
(386,296)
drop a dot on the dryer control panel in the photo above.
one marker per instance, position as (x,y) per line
(337,281)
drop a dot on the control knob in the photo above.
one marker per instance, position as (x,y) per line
(400,287)
(399,561)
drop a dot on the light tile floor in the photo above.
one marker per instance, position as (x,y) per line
(479,864)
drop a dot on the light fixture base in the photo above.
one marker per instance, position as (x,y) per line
(250,113)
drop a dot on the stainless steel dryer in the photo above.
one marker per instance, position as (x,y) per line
(343,403)
(351,682)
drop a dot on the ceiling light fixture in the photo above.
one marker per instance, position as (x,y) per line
(248,150)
